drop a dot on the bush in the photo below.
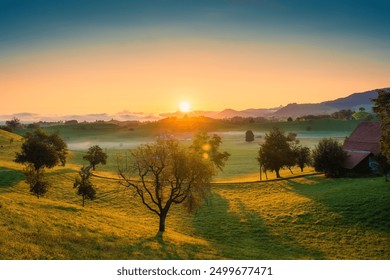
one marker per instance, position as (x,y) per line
(328,157)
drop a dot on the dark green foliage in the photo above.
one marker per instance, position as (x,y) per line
(276,152)
(249,136)
(343,114)
(42,150)
(328,157)
(382,108)
(36,179)
(6,128)
(383,164)
(84,185)
(208,148)
(289,119)
(302,157)
(95,155)
(13,124)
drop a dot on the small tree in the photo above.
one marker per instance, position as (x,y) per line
(289,119)
(13,124)
(168,174)
(208,147)
(382,108)
(249,136)
(383,165)
(40,150)
(35,178)
(95,155)
(328,157)
(276,153)
(84,186)
(302,157)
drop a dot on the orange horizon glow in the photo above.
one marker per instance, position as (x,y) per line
(210,75)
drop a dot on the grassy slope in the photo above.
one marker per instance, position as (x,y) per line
(307,218)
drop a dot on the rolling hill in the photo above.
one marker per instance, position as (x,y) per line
(353,102)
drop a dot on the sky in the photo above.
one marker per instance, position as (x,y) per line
(146,57)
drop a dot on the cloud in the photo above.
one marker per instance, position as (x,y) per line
(26,117)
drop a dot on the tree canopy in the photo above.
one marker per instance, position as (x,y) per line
(249,136)
(329,157)
(165,173)
(276,152)
(382,108)
(208,147)
(95,155)
(42,150)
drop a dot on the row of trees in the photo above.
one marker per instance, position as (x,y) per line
(283,151)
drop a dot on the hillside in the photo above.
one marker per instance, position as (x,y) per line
(305,218)
(353,102)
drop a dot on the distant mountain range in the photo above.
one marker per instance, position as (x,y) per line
(353,102)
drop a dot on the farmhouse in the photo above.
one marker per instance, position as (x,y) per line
(361,146)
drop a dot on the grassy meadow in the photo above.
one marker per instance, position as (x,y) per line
(297,218)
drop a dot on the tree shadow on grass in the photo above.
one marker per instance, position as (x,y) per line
(157,248)
(364,202)
(244,235)
(10,177)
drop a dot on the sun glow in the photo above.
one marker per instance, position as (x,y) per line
(185,106)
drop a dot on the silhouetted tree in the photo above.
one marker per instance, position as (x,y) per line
(249,136)
(40,150)
(275,153)
(95,155)
(302,157)
(84,185)
(328,157)
(165,173)
(382,108)
(13,124)
(36,180)
(289,119)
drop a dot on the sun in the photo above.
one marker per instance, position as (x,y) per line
(185,106)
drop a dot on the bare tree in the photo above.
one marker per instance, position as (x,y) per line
(168,174)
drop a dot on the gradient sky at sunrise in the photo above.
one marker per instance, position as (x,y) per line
(79,57)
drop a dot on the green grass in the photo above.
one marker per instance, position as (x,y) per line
(304,218)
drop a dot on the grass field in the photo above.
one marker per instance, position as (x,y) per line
(303,218)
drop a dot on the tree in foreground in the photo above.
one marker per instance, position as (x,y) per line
(39,151)
(328,157)
(165,173)
(383,165)
(95,155)
(249,136)
(36,180)
(276,152)
(382,108)
(84,186)
(302,156)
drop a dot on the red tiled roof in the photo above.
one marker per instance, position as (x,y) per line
(354,158)
(365,137)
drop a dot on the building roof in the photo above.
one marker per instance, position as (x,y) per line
(354,158)
(362,142)
(365,137)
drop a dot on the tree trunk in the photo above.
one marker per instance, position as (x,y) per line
(301,169)
(83,199)
(277,173)
(163,216)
